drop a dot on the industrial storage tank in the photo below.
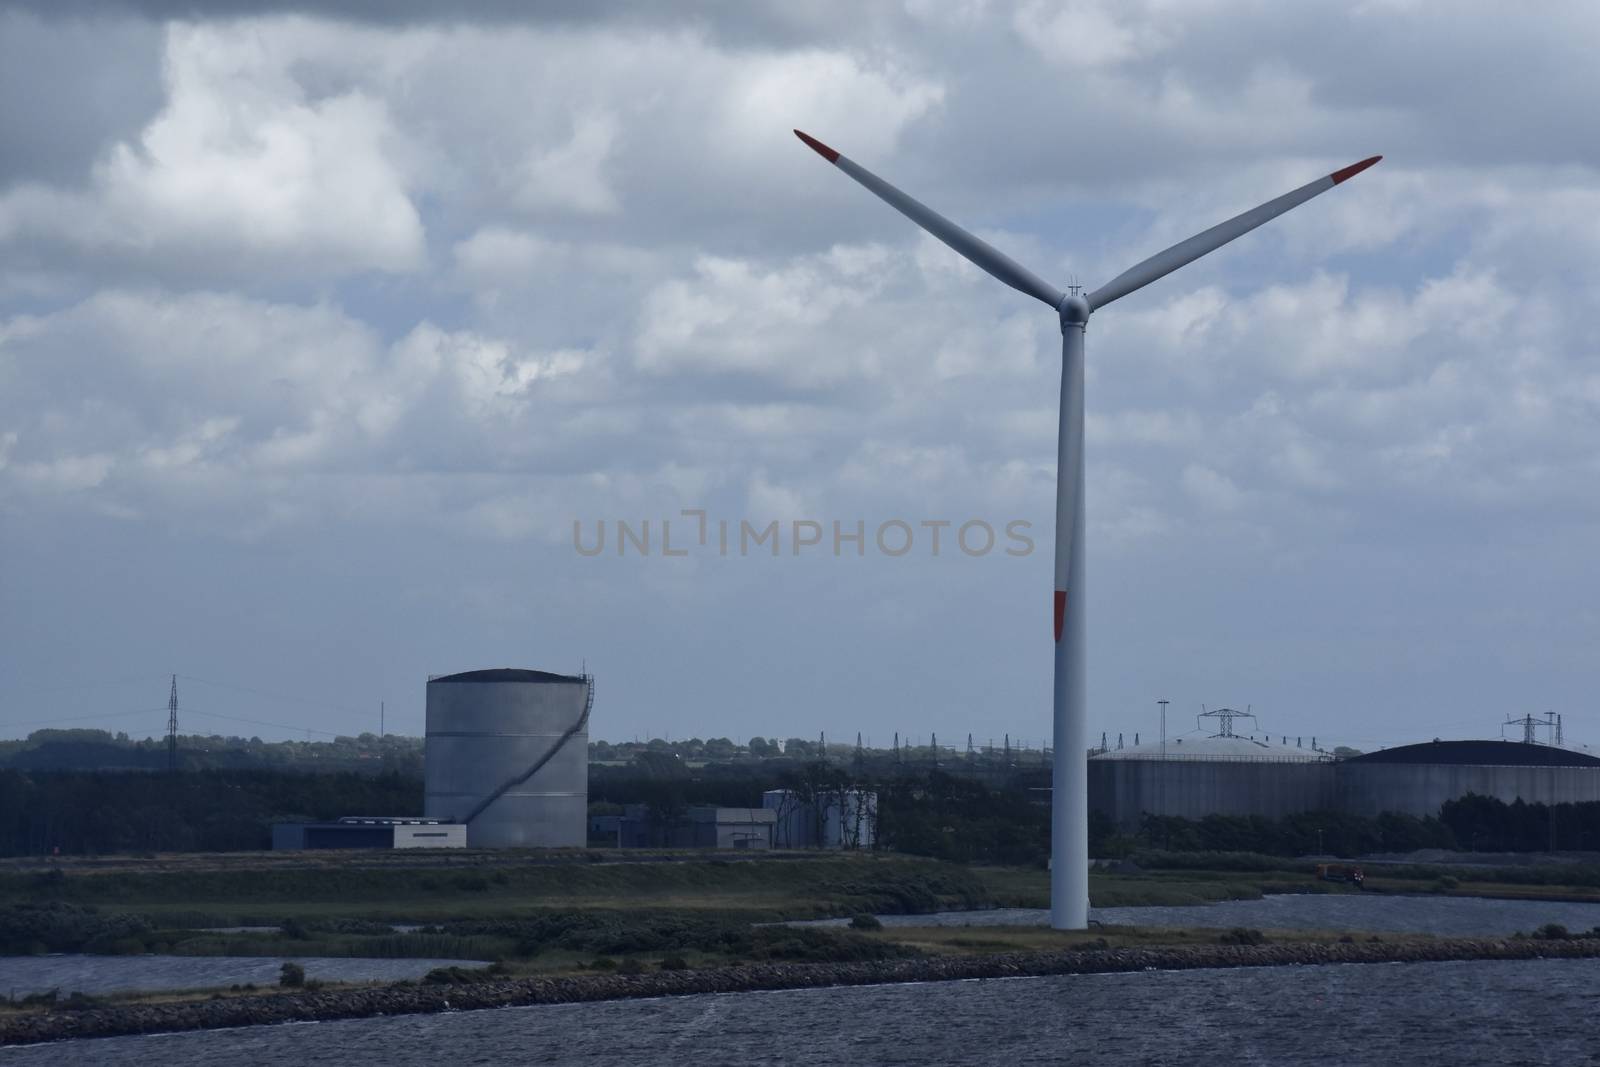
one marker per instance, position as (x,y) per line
(507,753)
(1418,779)
(1198,776)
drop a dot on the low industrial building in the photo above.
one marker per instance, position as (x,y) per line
(836,819)
(362,831)
(1229,775)
(640,826)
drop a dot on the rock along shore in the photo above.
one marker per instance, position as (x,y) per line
(322,1005)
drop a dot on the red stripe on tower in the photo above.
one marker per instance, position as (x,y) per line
(1338,176)
(821,149)
(1061,611)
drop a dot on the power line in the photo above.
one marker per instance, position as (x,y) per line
(81,718)
(261,722)
(274,696)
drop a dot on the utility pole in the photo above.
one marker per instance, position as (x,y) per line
(172,726)
(380,720)
(1161,797)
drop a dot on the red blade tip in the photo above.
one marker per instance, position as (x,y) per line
(821,149)
(1353,169)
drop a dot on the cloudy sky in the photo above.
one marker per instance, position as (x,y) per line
(318,333)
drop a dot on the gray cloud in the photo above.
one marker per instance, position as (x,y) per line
(68,87)
(381,305)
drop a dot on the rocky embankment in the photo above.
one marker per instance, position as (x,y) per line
(29,1027)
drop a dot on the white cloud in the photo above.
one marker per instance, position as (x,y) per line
(242,161)
(572,176)
(738,316)
(1089,33)
(207,401)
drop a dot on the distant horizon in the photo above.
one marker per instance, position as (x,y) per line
(907,742)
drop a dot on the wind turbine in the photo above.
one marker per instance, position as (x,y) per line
(1069,808)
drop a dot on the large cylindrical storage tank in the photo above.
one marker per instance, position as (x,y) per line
(486,731)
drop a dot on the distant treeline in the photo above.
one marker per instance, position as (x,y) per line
(722,750)
(368,753)
(993,815)
(101,750)
(205,811)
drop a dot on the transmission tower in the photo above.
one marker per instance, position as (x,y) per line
(1529,724)
(172,726)
(1226,715)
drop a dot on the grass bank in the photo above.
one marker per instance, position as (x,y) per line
(100,1020)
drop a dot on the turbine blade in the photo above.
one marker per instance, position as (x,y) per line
(1185,252)
(973,248)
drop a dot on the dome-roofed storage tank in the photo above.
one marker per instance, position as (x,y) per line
(507,753)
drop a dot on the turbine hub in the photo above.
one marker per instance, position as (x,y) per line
(1074,310)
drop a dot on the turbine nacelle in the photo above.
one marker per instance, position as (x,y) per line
(1074,310)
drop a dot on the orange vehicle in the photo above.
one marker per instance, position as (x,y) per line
(1340,872)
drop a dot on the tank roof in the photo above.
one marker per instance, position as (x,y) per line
(1488,753)
(509,674)
(1214,748)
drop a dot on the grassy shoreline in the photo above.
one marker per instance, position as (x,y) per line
(518,905)
(351,1003)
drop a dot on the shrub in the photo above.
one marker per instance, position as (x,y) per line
(866,922)
(604,963)
(59,927)
(817,945)
(630,966)
(291,975)
(1242,935)
(674,963)
(457,976)
(1551,932)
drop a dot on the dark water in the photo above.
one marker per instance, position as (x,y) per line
(1503,1013)
(1444,916)
(21,975)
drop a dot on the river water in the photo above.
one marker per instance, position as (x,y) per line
(1503,1013)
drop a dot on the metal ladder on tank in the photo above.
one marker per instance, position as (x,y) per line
(538,765)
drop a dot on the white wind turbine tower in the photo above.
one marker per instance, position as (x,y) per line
(1069,815)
